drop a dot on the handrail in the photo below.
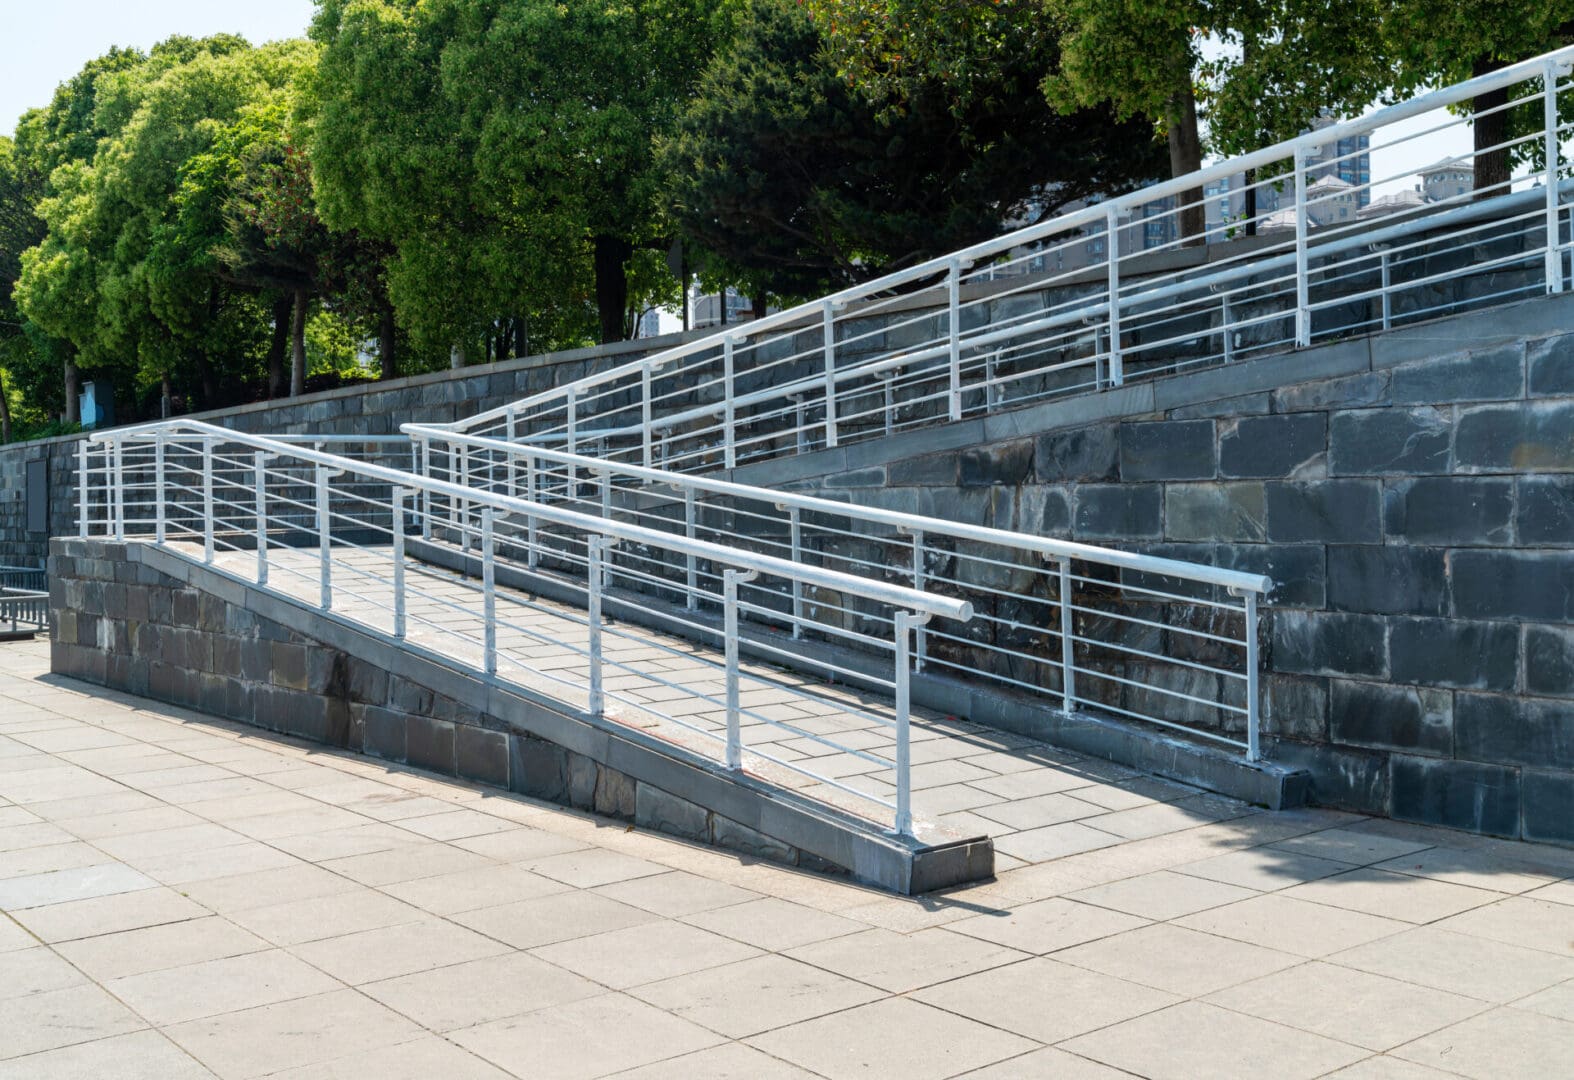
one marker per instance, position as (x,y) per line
(1044,546)
(1063,223)
(880,592)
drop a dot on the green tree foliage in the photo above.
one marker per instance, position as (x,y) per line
(798,181)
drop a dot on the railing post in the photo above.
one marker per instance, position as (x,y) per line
(324,539)
(1117,370)
(692,571)
(954,331)
(646,451)
(1068,641)
(84,482)
(207,500)
(1554,262)
(1253,716)
(904,742)
(259,485)
(118,485)
(510,480)
(795,526)
(888,380)
(532,553)
(158,488)
(399,496)
(1224,319)
(830,374)
(426,493)
(1387,271)
(921,644)
(801,437)
(571,407)
(729,421)
(1303,302)
(730,581)
(598,700)
(463,505)
(488,595)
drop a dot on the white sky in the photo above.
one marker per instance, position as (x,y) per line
(45,42)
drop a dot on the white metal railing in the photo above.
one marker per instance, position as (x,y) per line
(210,493)
(24,598)
(1101,295)
(1167,642)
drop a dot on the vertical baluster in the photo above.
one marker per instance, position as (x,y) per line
(207,499)
(426,491)
(532,483)
(399,496)
(1068,641)
(921,650)
(904,743)
(647,452)
(1112,252)
(118,488)
(324,539)
(259,474)
(1303,303)
(1253,718)
(84,484)
(729,435)
(795,526)
(598,701)
(1554,262)
(731,579)
(488,594)
(1388,296)
(829,334)
(954,334)
(158,488)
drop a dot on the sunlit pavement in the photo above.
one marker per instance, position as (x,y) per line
(183,897)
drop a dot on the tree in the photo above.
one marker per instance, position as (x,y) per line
(799,181)
(1436,42)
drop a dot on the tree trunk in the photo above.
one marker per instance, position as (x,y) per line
(73,388)
(760,303)
(1492,167)
(523,335)
(5,412)
(205,380)
(298,345)
(612,287)
(166,402)
(277,348)
(1186,157)
(456,357)
(385,343)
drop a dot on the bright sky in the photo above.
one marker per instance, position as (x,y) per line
(45,42)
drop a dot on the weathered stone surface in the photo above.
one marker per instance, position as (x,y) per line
(1273,446)
(383,733)
(1550,367)
(1549,661)
(1450,510)
(1367,388)
(1488,375)
(1547,806)
(1509,730)
(1454,652)
(1299,571)
(481,755)
(663,812)
(429,744)
(1317,643)
(1167,450)
(738,837)
(1495,584)
(1002,463)
(1295,707)
(1459,794)
(538,768)
(614,793)
(1044,511)
(1088,454)
(1517,437)
(1230,512)
(1387,578)
(1346,778)
(1385,717)
(1389,442)
(931,469)
(1118,512)
(1334,511)
(1545,515)
(1245,405)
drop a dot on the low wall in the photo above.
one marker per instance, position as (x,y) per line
(1411,495)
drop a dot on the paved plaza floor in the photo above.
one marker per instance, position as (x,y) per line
(180,897)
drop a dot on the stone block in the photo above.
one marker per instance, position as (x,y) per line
(1299,571)
(1450,510)
(1295,708)
(1389,579)
(1345,778)
(1518,437)
(1319,643)
(1044,511)
(583,773)
(662,812)
(1456,653)
(1545,515)
(1118,512)
(1230,512)
(1273,446)
(409,697)
(481,755)
(858,478)
(1458,794)
(1258,404)
(1549,367)
(1167,450)
(1383,717)
(931,469)
(1547,806)
(429,744)
(1389,442)
(1549,660)
(1002,463)
(1330,511)
(1083,455)
(738,837)
(383,733)
(288,665)
(537,768)
(615,792)
(1536,586)
(1487,375)
(1507,730)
